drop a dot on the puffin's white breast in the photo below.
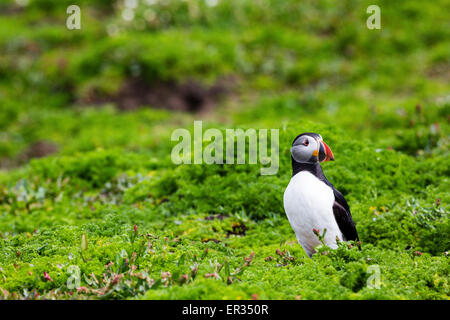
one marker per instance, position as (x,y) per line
(308,203)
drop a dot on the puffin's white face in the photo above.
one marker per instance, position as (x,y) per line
(310,148)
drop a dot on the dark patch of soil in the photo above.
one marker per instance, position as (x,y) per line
(6,163)
(6,9)
(38,149)
(439,71)
(238,229)
(190,96)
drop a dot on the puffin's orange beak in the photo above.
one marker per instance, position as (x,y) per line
(328,153)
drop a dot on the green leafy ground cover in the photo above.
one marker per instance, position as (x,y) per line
(110,206)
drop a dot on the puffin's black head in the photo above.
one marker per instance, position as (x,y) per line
(309,147)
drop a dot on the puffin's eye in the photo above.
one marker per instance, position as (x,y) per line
(306,142)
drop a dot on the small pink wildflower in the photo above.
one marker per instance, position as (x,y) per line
(47,277)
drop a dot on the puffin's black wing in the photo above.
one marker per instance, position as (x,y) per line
(343,217)
(341,209)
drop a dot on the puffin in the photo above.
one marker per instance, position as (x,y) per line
(312,204)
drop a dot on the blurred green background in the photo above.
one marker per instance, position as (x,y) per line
(257,63)
(98,106)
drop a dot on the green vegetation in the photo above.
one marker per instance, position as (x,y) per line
(86,177)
